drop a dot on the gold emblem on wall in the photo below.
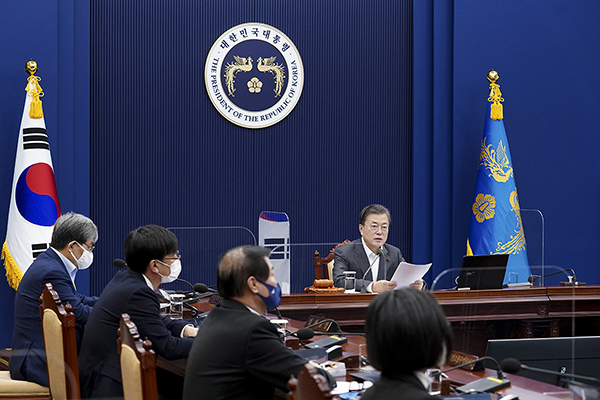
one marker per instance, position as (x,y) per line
(240,64)
(254,85)
(278,71)
(254,75)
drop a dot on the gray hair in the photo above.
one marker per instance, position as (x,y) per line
(72,226)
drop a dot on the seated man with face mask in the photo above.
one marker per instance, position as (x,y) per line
(238,353)
(152,257)
(73,240)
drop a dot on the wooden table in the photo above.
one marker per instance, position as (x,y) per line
(525,388)
(476,315)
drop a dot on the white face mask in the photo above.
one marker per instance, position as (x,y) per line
(175,271)
(86,259)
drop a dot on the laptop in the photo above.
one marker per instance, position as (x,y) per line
(482,272)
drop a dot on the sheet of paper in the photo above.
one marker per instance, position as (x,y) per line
(407,273)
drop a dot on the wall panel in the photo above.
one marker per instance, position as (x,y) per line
(162,154)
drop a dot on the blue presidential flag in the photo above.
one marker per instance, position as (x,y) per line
(496,226)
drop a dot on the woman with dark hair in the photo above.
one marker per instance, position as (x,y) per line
(407,332)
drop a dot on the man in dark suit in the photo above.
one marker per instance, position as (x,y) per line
(72,243)
(370,256)
(152,257)
(238,353)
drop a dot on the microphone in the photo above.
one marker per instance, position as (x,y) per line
(202,288)
(117,262)
(323,321)
(512,366)
(499,369)
(337,333)
(302,333)
(572,280)
(380,254)
(187,283)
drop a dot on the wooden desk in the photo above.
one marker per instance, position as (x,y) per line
(525,388)
(476,315)
(346,309)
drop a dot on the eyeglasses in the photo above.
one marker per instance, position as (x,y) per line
(177,257)
(89,247)
(375,228)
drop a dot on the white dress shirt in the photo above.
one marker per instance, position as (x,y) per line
(373,262)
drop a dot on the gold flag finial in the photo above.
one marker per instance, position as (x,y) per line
(31,67)
(493,76)
(34,90)
(495,96)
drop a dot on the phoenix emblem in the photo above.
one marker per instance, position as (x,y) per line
(240,64)
(496,161)
(278,71)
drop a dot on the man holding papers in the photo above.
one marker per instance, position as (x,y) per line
(370,256)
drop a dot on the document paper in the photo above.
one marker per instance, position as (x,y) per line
(407,273)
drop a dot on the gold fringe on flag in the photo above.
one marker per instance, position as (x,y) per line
(13,272)
(495,96)
(469,250)
(34,90)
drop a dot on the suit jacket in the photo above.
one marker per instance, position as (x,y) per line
(99,364)
(238,355)
(403,387)
(352,257)
(28,359)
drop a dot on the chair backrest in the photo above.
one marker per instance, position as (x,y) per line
(309,386)
(138,363)
(324,265)
(58,325)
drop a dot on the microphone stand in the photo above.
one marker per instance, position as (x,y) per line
(572,279)
(340,333)
(485,384)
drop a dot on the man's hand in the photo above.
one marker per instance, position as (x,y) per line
(382,286)
(418,284)
(190,331)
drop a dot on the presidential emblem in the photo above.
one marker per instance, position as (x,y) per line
(254,75)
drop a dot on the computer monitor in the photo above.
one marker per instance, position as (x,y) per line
(482,272)
(578,355)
